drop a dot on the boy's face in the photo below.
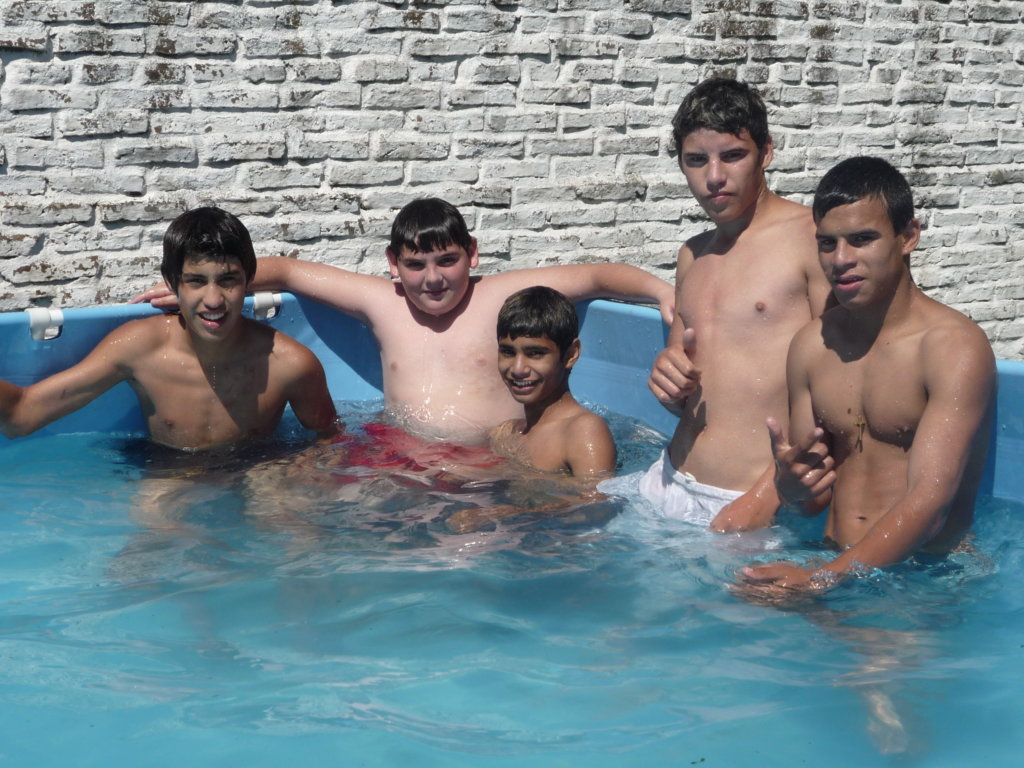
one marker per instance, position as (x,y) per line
(436,281)
(725,173)
(862,256)
(211,294)
(533,368)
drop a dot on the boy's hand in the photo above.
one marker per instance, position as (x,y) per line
(803,471)
(674,377)
(159,296)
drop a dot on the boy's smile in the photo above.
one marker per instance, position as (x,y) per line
(725,173)
(534,369)
(211,294)
(436,281)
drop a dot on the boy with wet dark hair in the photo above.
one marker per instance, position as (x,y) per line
(890,393)
(538,344)
(205,377)
(743,289)
(207,233)
(724,106)
(434,322)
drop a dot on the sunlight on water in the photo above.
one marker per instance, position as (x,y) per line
(286,602)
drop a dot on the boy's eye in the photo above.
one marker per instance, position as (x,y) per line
(862,238)
(734,156)
(448,261)
(694,161)
(826,244)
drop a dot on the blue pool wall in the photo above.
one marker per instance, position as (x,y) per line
(619,343)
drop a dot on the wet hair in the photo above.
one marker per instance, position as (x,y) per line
(428,224)
(722,105)
(206,233)
(860,177)
(537,312)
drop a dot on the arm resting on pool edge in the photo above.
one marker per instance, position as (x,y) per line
(23,410)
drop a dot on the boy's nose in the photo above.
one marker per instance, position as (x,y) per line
(520,365)
(716,174)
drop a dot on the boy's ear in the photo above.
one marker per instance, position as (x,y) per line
(911,235)
(767,152)
(392,262)
(572,354)
(474,254)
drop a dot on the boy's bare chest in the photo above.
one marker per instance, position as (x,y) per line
(723,294)
(877,399)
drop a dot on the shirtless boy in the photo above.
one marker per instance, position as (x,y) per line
(890,392)
(434,323)
(743,289)
(538,344)
(205,377)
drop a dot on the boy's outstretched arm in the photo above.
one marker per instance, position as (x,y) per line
(23,410)
(349,292)
(579,282)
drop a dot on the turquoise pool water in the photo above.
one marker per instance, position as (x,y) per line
(341,635)
(148,622)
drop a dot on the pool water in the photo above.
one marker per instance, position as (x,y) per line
(229,628)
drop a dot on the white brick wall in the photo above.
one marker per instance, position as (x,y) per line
(546,121)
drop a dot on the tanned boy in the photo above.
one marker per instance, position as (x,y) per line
(890,393)
(204,377)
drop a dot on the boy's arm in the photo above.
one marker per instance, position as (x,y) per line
(959,376)
(23,410)
(674,377)
(579,282)
(308,394)
(801,476)
(349,292)
(590,448)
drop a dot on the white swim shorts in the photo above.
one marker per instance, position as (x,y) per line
(677,495)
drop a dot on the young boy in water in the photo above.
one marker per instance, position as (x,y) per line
(743,289)
(434,322)
(890,393)
(205,377)
(538,344)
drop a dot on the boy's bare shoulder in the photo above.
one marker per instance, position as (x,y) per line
(584,424)
(950,335)
(144,334)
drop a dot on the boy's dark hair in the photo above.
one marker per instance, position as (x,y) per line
(428,224)
(860,177)
(536,312)
(722,105)
(206,233)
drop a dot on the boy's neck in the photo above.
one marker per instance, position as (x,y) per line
(214,352)
(728,232)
